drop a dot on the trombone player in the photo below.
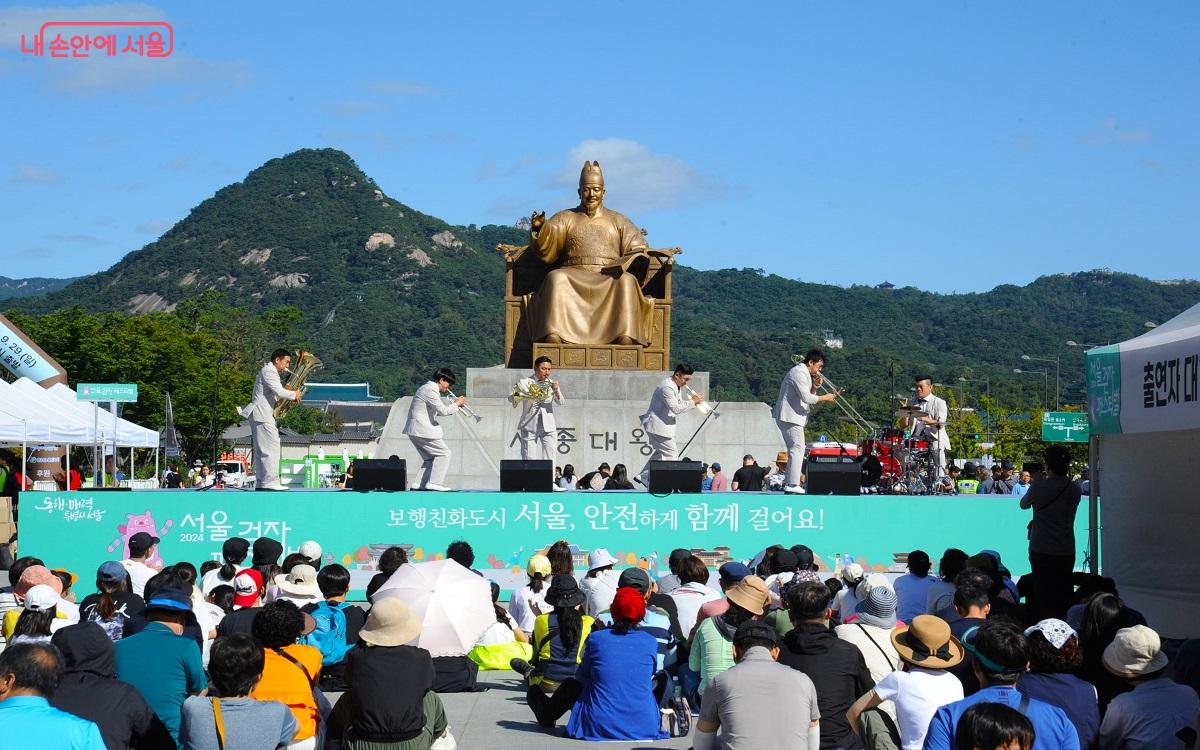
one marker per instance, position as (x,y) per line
(797,396)
(425,432)
(666,404)
(537,395)
(264,434)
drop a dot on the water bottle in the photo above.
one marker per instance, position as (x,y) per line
(837,564)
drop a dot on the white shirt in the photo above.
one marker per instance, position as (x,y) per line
(212,579)
(918,694)
(520,607)
(845,602)
(496,634)
(688,599)
(600,591)
(913,593)
(139,573)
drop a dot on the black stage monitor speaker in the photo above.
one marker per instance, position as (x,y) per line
(675,476)
(526,476)
(834,479)
(379,474)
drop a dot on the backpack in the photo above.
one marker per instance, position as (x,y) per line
(330,634)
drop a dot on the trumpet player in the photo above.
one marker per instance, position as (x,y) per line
(425,432)
(666,404)
(264,434)
(797,396)
(537,395)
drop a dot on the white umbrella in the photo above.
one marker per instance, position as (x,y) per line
(453,603)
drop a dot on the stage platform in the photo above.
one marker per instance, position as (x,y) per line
(79,530)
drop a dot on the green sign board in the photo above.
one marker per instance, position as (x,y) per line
(1065,427)
(106,391)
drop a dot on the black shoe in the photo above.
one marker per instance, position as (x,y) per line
(520,666)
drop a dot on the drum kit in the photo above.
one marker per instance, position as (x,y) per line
(894,463)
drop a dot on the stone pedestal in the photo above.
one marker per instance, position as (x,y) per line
(597,423)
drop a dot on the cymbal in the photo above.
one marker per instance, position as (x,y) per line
(908,411)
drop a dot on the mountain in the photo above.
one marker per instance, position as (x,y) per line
(387,293)
(34,286)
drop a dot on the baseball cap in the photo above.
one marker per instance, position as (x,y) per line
(716,466)
(538,564)
(246,587)
(310,550)
(140,542)
(41,598)
(733,571)
(756,629)
(266,551)
(634,578)
(111,570)
(235,548)
(172,599)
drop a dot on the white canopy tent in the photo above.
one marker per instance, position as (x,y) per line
(1144,407)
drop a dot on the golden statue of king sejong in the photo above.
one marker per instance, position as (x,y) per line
(600,259)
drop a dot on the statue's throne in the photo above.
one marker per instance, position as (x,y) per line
(523,275)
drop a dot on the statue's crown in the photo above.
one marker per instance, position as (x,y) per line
(591,174)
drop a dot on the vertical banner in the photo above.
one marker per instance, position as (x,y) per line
(1104,389)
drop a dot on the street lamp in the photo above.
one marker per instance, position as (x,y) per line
(987,379)
(1028,358)
(1045,378)
(1073,343)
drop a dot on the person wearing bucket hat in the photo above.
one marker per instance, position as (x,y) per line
(159,661)
(617,700)
(558,641)
(871,634)
(1157,712)
(926,649)
(527,603)
(1000,654)
(1054,658)
(378,705)
(712,645)
(600,583)
(299,586)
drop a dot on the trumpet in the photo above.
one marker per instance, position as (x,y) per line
(703,406)
(464,408)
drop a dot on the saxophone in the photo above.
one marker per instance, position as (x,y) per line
(306,363)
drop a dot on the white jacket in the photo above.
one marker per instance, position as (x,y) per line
(542,422)
(427,405)
(666,403)
(936,408)
(796,396)
(267,390)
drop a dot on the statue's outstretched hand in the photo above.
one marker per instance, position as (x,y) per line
(536,221)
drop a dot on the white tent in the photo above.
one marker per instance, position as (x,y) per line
(1144,407)
(42,424)
(129,434)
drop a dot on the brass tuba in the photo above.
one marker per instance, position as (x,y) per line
(306,364)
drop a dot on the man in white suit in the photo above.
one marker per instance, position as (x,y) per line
(537,430)
(659,420)
(264,435)
(425,432)
(797,396)
(931,424)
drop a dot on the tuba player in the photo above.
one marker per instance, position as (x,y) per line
(268,388)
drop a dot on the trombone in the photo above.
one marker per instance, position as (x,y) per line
(464,408)
(855,417)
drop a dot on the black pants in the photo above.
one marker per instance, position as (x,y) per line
(549,708)
(1050,595)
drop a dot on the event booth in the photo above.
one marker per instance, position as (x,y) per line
(1144,408)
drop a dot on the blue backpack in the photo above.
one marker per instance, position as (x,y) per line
(330,633)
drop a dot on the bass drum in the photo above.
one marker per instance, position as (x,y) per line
(877,470)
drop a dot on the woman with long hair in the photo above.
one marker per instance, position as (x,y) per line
(616,701)
(1054,657)
(530,601)
(114,601)
(558,640)
(568,479)
(562,560)
(233,554)
(619,479)
(37,619)
(502,642)
(1104,616)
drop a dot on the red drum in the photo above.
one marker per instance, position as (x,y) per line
(889,436)
(875,447)
(917,445)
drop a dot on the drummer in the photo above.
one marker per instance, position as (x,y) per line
(930,423)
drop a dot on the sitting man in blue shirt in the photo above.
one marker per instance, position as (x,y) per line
(1001,655)
(29,675)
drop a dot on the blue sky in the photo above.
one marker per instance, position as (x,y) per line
(952,147)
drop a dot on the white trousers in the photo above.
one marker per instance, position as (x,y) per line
(538,445)
(435,460)
(793,438)
(664,450)
(264,438)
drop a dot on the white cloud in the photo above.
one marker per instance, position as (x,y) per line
(1110,131)
(636,178)
(155,226)
(31,174)
(402,88)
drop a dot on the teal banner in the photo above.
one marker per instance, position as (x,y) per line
(1104,389)
(79,530)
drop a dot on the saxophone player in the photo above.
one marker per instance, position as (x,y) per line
(537,395)
(264,434)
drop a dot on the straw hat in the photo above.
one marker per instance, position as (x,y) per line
(391,623)
(1134,652)
(750,594)
(927,642)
